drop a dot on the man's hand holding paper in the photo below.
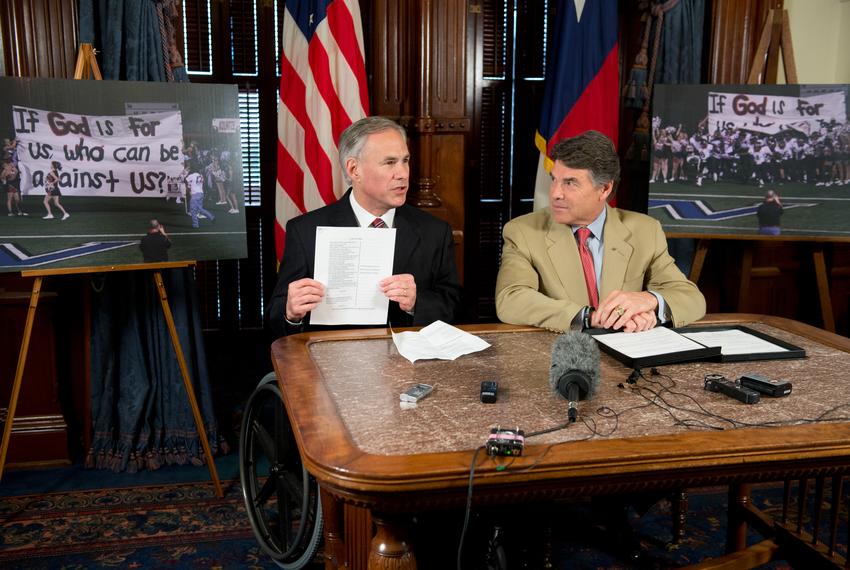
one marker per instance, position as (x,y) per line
(303,296)
(401,289)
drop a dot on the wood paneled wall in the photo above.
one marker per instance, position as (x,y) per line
(735,29)
(39,37)
(420,75)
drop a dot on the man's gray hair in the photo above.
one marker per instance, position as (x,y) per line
(591,151)
(353,138)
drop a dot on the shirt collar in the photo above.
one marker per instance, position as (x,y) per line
(596,225)
(364,218)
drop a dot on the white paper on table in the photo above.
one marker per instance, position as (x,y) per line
(734,341)
(653,342)
(437,340)
(349,263)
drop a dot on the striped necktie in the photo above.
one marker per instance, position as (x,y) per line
(587,267)
(377,223)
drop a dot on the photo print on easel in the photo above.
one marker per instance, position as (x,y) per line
(106,173)
(768,160)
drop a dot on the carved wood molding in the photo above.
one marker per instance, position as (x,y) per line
(452,124)
(431,93)
(546,491)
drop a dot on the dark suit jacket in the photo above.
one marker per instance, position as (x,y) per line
(424,247)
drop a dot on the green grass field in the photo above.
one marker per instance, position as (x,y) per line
(829,216)
(121,219)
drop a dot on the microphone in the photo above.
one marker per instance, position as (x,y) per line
(575,368)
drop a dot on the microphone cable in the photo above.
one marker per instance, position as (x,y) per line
(478,450)
(552,429)
(702,410)
(668,407)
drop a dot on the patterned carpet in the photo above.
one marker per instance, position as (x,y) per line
(175,525)
(184,525)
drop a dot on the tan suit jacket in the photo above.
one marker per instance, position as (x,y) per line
(541,282)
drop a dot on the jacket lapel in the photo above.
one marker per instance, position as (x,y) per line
(406,239)
(616,255)
(340,213)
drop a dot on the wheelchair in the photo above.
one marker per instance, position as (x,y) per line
(281,497)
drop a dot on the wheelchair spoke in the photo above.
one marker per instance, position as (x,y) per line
(293,486)
(265,440)
(265,493)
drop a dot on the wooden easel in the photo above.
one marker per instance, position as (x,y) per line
(86,61)
(775,39)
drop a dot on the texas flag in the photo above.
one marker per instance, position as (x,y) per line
(582,80)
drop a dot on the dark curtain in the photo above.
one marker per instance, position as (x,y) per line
(680,61)
(140,409)
(670,52)
(134,37)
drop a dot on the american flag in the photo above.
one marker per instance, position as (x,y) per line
(322,91)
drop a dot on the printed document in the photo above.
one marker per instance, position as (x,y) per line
(437,340)
(349,263)
(653,342)
(734,341)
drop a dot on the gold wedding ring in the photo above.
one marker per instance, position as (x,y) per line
(619,310)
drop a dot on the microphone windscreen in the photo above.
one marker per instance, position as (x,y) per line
(574,353)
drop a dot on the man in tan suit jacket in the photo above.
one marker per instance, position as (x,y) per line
(541,281)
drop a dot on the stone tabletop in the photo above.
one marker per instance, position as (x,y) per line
(366,376)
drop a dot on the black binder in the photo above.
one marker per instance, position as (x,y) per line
(699,351)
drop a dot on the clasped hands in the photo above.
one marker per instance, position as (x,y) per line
(304,294)
(629,311)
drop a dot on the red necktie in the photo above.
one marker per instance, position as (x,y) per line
(587,266)
(377,223)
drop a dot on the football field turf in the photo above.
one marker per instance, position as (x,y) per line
(123,221)
(719,208)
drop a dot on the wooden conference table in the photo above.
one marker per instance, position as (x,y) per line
(341,391)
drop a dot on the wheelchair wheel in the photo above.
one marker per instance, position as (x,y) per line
(281,497)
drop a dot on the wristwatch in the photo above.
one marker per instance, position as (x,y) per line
(585,322)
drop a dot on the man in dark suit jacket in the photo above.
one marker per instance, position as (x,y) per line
(424,286)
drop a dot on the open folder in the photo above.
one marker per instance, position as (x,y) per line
(661,345)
